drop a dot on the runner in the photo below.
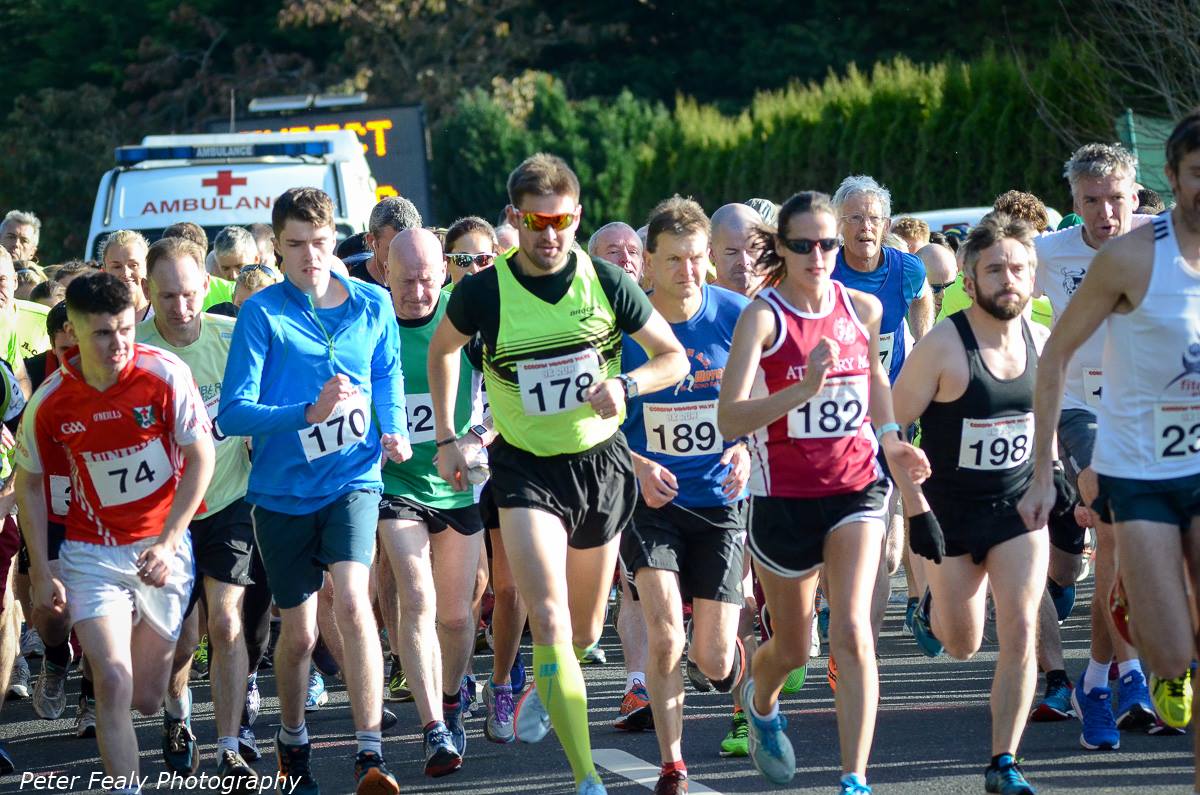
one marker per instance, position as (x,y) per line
(970,382)
(141,457)
(431,534)
(124,256)
(1104,191)
(687,531)
(234,589)
(1147,286)
(314,377)
(393,214)
(730,248)
(812,348)
(551,322)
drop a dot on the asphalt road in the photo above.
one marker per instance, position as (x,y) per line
(932,737)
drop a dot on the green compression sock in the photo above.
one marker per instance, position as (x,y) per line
(561,688)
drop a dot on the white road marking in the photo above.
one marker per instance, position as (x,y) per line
(629,766)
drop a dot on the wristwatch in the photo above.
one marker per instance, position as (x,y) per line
(629,384)
(480,431)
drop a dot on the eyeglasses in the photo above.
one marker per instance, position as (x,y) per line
(802,245)
(467,260)
(257,266)
(536,222)
(858,219)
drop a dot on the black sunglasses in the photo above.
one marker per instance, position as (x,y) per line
(467,260)
(802,245)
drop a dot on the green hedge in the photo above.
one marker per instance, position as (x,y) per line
(945,135)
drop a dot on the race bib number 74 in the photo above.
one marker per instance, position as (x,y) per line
(130,474)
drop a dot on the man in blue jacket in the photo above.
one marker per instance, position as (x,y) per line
(314,378)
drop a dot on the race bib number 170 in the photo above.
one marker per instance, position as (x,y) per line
(346,426)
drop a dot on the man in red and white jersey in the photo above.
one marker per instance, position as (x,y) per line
(135,431)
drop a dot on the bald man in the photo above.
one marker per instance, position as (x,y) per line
(618,242)
(941,270)
(422,519)
(731,250)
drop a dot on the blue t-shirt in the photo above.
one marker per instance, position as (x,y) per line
(677,427)
(897,282)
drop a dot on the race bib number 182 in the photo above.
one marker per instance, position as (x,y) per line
(552,386)
(837,410)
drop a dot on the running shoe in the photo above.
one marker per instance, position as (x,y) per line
(253,700)
(594,656)
(737,669)
(736,743)
(181,752)
(795,680)
(814,643)
(908,615)
(989,621)
(927,642)
(823,622)
(516,675)
(770,749)
(387,719)
(1095,712)
(441,758)
(322,658)
(1063,597)
(499,702)
(852,784)
(468,692)
(1006,778)
(591,785)
(672,783)
(1055,704)
(700,682)
(85,718)
(294,772)
(50,692)
(373,776)
(454,723)
(231,765)
(397,686)
(482,643)
(1160,729)
(248,744)
(200,660)
(1118,606)
(831,673)
(31,643)
(1173,699)
(316,697)
(1135,709)
(7,765)
(531,721)
(18,685)
(636,714)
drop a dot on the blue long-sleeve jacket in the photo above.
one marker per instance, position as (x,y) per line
(283,352)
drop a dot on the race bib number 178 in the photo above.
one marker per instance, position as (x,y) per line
(552,386)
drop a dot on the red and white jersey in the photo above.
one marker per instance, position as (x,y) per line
(122,445)
(824,446)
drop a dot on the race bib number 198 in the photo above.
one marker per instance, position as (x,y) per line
(1176,430)
(552,386)
(996,444)
(346,426)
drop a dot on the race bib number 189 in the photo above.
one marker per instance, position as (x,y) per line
(552,386)
(346,426)
(837,410)
(1176,430)
(682,429)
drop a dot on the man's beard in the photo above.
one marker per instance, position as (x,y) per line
(994,308)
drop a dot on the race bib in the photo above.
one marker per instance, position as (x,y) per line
(682,429)
(346,426)
(1176,430)
(552,386)
(60,494)
(887,343)
(211,406)
(837,410)
(1093,385)
(993,445)
(130,474)
(420,418)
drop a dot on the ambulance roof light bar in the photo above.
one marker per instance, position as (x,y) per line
(132,155)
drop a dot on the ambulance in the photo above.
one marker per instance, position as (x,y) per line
(223,179)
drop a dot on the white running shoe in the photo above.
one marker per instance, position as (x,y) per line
(50,691)
(18,686)
(532,721)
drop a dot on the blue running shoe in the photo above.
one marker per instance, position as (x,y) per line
(516,675)
(1136,710)
(591,785)
(248,744)
(1063,597)
(823,622)
(770,748)
(316,696)
(1006,778)
(853,784)
(909,612)
(441,757)
(927,642)
(454,722)
(1055,705)
(1095,711)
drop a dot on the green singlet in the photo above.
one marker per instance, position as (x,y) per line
(546,358)
(417,478)
(206,357)
(220,291)
(24,331)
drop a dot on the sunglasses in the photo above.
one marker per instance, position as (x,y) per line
(467,260)
(536,222)
(257,266)
(802,245)
(938,289)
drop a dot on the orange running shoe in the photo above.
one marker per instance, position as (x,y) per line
(831,673)
(635,710)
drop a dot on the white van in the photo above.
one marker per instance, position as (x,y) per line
(960,219)
(218,180)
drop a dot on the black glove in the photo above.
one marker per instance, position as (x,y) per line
(1066,496)
(925,536)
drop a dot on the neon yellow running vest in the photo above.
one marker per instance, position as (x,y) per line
(547,356)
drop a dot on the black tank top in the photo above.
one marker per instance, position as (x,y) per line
(980,445)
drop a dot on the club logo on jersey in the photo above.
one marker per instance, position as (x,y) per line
(843,329)
(1189,379)
(72,427)
(144,416)
(1072,279)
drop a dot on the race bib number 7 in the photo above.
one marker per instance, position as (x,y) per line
(887,343)
(996,444)
(552,386)
(837,410)
(1176,430)
(130,474)
(682,429)
(346,426)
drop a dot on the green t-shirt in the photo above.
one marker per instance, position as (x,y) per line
(206,357)
(220,291)
(417,478)
(23,332)
(955,299)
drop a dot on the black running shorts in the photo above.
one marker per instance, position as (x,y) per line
(973,528)
(465,520)
(1174,501)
